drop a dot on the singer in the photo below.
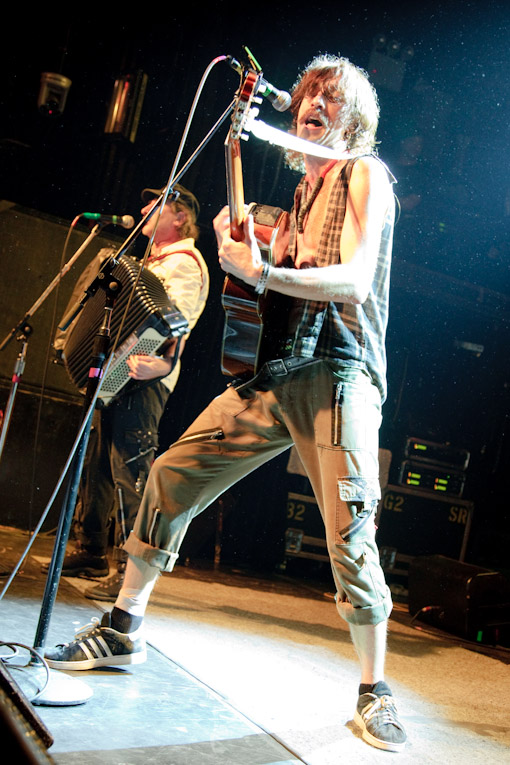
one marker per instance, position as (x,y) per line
(124,436)
(322,391)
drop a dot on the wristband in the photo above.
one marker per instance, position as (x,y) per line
(261,284)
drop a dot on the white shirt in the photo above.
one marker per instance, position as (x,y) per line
(183,271)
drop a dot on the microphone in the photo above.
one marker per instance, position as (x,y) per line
(126,221)
(280,99)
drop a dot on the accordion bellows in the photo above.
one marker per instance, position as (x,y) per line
(150,321)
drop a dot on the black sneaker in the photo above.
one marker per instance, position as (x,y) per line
(98,645)
(377,718)
(107,590)
(83,564)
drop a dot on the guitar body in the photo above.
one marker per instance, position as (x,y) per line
(255,325)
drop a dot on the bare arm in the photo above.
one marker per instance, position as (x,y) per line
(367,203)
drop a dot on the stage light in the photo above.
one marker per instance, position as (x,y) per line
(393,48)
(388,62)
(126,105)
(53,93)
(380,42)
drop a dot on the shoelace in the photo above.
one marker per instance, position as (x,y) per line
(384,707)
(84,631)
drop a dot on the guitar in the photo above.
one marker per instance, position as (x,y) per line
(253,323)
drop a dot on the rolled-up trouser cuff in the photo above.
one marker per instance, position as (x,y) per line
(366,614)
(161,559)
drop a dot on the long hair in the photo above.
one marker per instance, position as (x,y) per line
(349,85)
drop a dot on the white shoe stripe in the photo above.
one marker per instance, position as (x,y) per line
(84,647)
(104,645)
(95,648)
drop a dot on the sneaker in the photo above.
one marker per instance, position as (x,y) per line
(83,564)
(107,590)
(98,645)
(377,718)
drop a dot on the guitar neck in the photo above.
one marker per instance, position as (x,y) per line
(235,190)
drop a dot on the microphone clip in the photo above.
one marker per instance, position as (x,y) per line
(279,99)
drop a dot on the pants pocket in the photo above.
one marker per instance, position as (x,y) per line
(336,414)
(360,495)
(213,434)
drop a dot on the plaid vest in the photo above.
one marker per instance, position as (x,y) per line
(343,333)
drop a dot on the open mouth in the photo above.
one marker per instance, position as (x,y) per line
(313,122)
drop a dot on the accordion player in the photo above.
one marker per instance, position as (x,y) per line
(150,322)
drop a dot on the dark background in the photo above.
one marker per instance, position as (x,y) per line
(450,305)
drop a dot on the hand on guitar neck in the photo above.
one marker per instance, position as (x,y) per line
(241,258)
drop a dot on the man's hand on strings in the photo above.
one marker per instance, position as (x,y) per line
(241,259)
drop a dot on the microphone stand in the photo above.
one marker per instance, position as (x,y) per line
(60,691)
(63,689)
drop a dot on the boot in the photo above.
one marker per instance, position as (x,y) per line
(110,588)
(79,562)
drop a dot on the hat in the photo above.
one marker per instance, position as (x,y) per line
(187,198)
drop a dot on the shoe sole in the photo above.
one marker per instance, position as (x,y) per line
(82,573)
(107,661)
(86,573)
(388,746)
(101,596)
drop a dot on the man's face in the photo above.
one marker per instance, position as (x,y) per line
(169,223)
(319,117)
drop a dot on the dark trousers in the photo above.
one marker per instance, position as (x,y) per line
(122,446)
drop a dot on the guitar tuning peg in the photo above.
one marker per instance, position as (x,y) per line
(251,116)
(244,137)
(257,99)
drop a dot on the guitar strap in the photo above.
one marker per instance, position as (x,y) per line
(271,372)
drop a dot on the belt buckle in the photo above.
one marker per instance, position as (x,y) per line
(277,367)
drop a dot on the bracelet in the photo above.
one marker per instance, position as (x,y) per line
(261,284)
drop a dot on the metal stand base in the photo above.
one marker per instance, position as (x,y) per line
(63,691)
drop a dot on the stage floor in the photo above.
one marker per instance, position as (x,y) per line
(248,670)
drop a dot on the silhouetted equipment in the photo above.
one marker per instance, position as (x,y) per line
(434,467)
(416,522)
(460,598)
(388,62)
(126,106)
(24,736)
(53,93)
(424,515)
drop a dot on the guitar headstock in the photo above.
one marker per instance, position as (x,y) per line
(245,99)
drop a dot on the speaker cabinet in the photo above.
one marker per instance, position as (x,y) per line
(38,444)
(415,522)
(32,254)
(41,433)
(460,598)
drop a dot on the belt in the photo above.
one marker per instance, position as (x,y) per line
(274,369)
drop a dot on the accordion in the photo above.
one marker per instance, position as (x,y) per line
(150,322)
